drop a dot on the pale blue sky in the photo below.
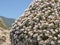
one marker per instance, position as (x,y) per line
(13,8)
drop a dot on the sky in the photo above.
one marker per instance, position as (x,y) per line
(13,8)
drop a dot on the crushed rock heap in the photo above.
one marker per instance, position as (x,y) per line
(39,24)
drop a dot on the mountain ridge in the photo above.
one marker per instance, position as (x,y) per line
(8,21)
(2,24)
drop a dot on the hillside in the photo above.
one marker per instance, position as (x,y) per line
(4,37)
(7,21)
(2,25)
(4,31)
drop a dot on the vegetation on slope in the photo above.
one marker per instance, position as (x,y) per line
(7,21)
(3,25)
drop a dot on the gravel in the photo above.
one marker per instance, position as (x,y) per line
(39,24)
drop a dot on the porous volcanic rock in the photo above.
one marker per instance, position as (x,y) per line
(39,24)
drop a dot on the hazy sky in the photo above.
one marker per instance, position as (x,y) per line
(13,8)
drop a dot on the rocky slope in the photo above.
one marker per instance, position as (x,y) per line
(4,37)
(39,24)
(4,33)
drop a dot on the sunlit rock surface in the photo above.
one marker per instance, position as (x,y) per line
(4,37)
(39,24)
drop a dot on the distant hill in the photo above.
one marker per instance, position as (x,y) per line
(7,21)
(2,25)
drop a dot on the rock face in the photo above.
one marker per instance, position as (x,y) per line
(39,25)
(4,37)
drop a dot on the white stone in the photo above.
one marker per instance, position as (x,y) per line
(50,36)
(35,35)
(21,29)
(59,35)
(17,28)
(47,31)
(46,34)
(38,38)
(56,30)
(52,42)
(58,41)
(25,31)
(53,32)
(51,24)
(55,38)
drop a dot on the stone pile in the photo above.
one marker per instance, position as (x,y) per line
(39,24)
